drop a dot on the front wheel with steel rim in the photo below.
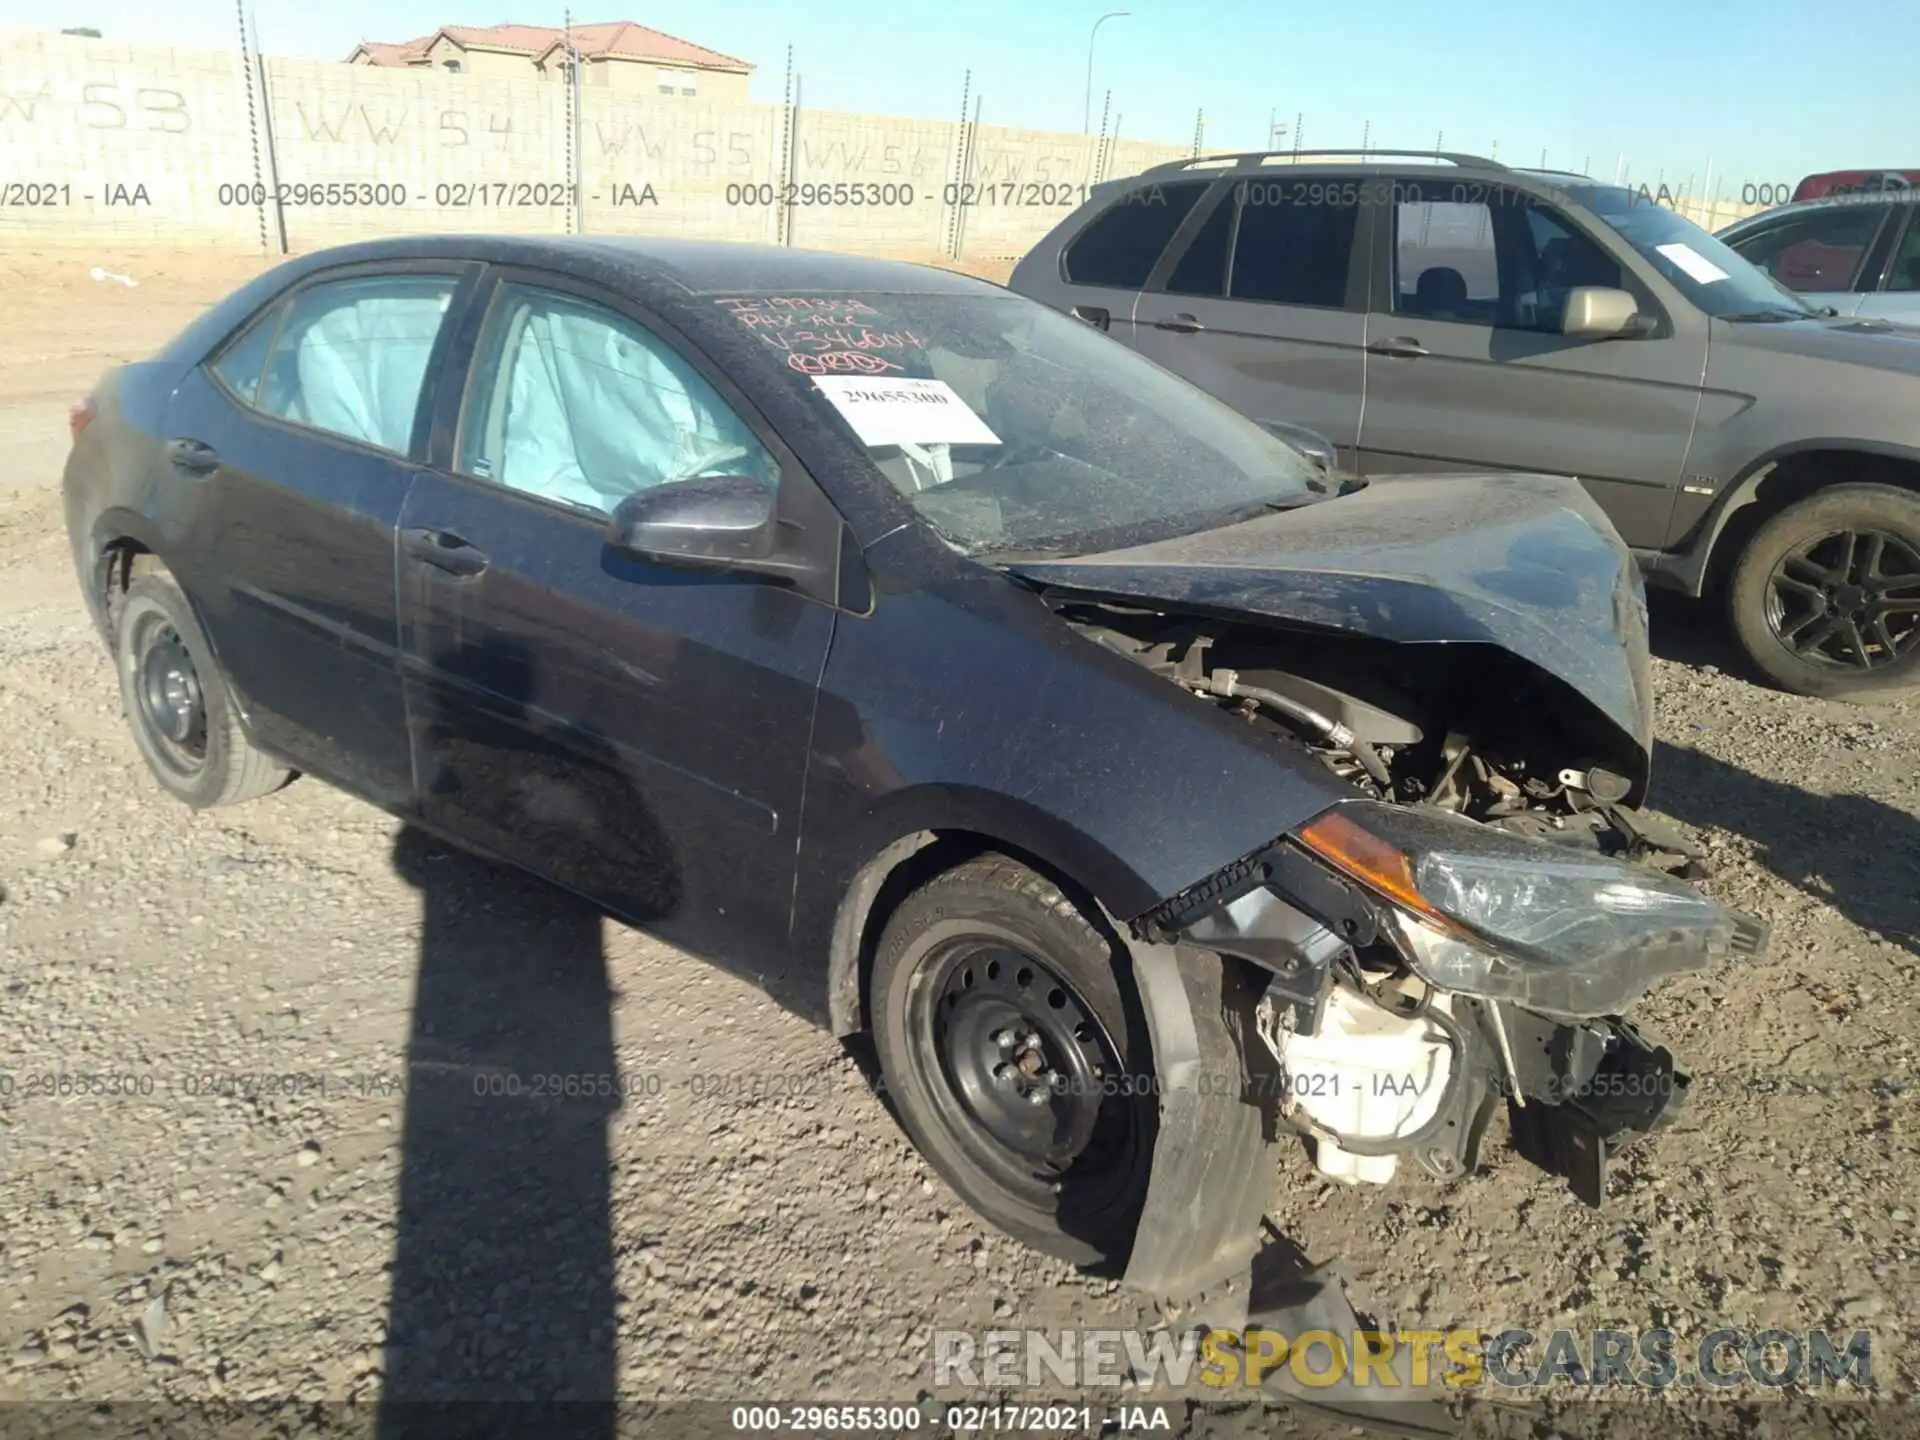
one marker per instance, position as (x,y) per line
(182,714)
(1017,1059)
(1826,598)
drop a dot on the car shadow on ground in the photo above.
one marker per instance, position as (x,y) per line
(502,1281)
(1694,632)
(1852,852)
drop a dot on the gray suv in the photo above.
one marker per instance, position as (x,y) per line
(1431,313)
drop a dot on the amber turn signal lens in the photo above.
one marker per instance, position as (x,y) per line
(80,416)
(1367,858)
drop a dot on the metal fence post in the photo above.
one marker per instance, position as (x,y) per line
(266,186)
(273,157)
(966,179)
(776,175)
(793,163)
(955,187)
(576,202)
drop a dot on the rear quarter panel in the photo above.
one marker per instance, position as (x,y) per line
(117,484)
(1040,275)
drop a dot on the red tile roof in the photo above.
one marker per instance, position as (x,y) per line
(404,53)
(615,38)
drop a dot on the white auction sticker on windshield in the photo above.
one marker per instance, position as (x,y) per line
(905,412)
(1693,262)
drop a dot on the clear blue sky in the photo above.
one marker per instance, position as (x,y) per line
(1766,91)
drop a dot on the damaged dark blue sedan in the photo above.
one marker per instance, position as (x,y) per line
(1144,791)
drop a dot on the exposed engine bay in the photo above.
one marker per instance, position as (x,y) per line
(1474,732)
(1417,965)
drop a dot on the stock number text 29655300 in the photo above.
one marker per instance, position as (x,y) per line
(866,195)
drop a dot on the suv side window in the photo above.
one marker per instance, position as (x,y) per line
(1555,259)
(1444,262)
(1292,253)
(576,403)
(346,356)
(1818,251)
(1508,261)
(1120,247)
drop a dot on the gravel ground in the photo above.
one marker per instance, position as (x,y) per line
(251,1199)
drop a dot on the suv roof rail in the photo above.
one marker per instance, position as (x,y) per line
(1212,162)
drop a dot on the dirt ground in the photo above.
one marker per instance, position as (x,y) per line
(326,1236)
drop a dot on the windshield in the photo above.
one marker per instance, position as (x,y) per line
(1012,428)
(1711,274)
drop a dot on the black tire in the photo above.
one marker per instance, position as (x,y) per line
(177,703)
(933,1030)
(1830,583)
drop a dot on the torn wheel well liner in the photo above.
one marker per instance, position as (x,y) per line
(892,874)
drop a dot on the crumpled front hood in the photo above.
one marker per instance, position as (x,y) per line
(1527,563)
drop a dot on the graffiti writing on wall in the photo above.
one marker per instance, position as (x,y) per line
(1058,167)
(356,124)
(841,157)
(101,105)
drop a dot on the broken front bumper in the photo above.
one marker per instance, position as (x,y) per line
(1586,1089)
(1349,1036)
(1371,1080)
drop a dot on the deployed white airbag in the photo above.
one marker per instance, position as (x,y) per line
(594,412)
(361,364)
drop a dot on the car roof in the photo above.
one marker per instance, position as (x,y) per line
(1444,163)
(654,267)
(1822,202)
(1319,162)
(661,273)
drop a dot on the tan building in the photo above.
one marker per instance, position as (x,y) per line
(618,55)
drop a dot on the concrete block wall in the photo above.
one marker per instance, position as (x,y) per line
(103,142)
(663,167)
(99,139)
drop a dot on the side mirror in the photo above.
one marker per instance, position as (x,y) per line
(720,522)
(1318,449)
(1599,312)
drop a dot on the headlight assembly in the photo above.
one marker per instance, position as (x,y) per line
(1477,911)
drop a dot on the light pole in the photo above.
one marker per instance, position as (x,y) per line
(1086,118)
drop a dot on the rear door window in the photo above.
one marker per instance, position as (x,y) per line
(1120,247)
(349,357)
(240,365)
(1289,252)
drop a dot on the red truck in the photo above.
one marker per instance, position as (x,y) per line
(1855,182)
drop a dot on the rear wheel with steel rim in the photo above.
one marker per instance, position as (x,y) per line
(1826,599)
(1016,1057)
(182,714)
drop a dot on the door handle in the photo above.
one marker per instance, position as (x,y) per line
(444,551)
(1183,324)
(196,457)
(1402,345)
(1094,315)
